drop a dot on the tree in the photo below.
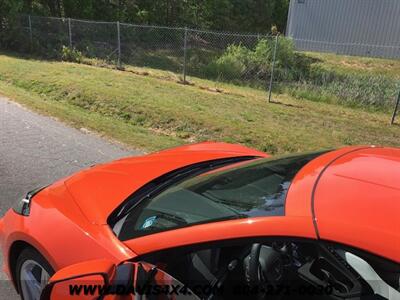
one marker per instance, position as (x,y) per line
(228,15)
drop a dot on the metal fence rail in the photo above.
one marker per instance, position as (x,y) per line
(396,108)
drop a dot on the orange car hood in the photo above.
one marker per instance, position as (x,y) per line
(100,189)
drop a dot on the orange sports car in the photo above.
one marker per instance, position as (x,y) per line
(213,221)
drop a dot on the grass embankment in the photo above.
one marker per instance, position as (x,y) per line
(356,64)
(367,83)
(148,109)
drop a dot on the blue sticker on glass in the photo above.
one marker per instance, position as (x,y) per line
(148,222)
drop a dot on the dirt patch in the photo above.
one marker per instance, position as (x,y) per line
(356,65)
(167,132)
(213,90)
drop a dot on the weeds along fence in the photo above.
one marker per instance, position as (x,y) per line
(262,61)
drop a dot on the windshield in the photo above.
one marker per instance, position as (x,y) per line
(252,189)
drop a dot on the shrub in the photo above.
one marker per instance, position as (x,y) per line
(231,65)
(239,62)
(71,54)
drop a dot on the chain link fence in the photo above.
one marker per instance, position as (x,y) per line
(268,62)
(183,51)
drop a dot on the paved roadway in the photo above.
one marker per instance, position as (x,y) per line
(36,150)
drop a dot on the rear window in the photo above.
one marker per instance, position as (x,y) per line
(252,189)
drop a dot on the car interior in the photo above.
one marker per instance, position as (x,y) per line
(252,189)
(279,269)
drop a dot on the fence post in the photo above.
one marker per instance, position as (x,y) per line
(396,107)
(70,32)
(272,69)
(184,54)
(119,46)
(30,31)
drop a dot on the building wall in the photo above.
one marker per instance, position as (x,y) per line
(354,27)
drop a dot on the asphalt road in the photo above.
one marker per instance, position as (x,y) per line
(36,150)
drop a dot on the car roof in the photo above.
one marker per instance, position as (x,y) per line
(356,201)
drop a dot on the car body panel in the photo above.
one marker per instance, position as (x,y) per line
(224,230)
(357,201)
(108,185)
(58,243)
(68,220)
(81,220)
(298,199)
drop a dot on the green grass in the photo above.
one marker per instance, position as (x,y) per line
(356,64)
(367,83)
(149,110)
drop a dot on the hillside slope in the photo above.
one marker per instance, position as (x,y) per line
(153,112)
